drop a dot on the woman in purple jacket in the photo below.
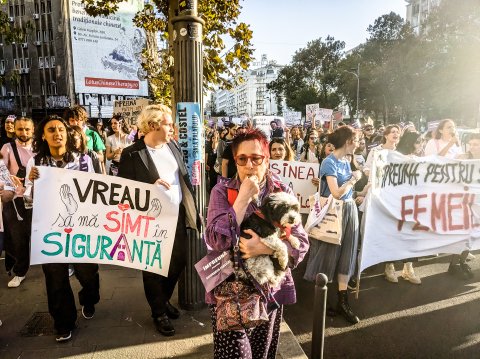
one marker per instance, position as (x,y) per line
(253,182)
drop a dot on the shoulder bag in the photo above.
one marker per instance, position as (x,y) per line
(325,219)
(241,302)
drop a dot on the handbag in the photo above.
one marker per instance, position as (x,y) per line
(241,303)
(325,219)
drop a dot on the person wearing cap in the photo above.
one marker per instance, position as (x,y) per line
(371,138)
(9,134)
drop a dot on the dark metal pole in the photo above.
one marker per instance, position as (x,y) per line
(188,87)
(319,308)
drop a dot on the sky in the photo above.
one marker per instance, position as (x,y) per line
(281,27)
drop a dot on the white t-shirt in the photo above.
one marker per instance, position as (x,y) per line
(114,143)
(167,168)
(435,146)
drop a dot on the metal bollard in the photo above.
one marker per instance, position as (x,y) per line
(319,308)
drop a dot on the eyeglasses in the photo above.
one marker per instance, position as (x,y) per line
(242,160)
(368,129)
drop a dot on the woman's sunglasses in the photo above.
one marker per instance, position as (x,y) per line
(242,160)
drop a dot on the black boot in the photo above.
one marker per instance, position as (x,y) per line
(344,309)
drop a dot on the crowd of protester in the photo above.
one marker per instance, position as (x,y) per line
(237,153)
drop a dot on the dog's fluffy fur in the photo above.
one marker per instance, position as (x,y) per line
(281,208)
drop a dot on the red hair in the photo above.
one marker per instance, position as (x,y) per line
(251,135)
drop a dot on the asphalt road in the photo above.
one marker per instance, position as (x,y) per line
(438,319)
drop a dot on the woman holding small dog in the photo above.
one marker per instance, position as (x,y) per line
(337,178)
(253,183)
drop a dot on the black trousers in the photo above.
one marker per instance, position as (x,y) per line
(159,289)
(61,302)
(17,240)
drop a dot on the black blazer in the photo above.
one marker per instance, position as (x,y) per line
(136,164)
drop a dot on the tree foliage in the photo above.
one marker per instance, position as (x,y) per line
(432,75)
(312,75)
(219,65)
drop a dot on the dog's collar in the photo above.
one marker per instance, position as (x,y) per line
(286,231)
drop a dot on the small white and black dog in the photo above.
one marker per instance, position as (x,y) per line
(280,211)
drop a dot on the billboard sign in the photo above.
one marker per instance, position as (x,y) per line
(107,51)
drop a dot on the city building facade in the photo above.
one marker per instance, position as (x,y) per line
(251,96)
(417,12)
(37,75)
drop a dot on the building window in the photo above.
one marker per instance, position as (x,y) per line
(52,61)
(22,9)
(37,8)
(39,36)
(16,65)
(40,62)
(42,6)
(17,10)
(50,34)
(26,63)
(11,11)
(53,88)
(46,62)
(49,6)
(45,38)
(2,64)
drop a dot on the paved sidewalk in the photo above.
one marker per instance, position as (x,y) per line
(121,328)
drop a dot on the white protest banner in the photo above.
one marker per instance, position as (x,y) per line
(323,115)
(130,109)
(298,176)
(292,118)
(420,206)
(81,217)
(311,112)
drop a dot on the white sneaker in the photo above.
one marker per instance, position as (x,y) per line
(390,274)
(15,282)
(409,274)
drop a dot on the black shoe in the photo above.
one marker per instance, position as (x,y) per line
(64,336)
(466,271)
(352,284)
(344,309)
(172,312)
(164,326)
(88,311)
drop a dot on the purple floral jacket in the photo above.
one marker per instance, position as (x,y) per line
(219,238)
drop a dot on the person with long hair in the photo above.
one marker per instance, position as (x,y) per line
(280,150)
(251,185)
(310,152)
(338,179)
(445,141)
(410,144)
(50,144)
(296,142)
(117,142)
(79,143)
(391,136)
